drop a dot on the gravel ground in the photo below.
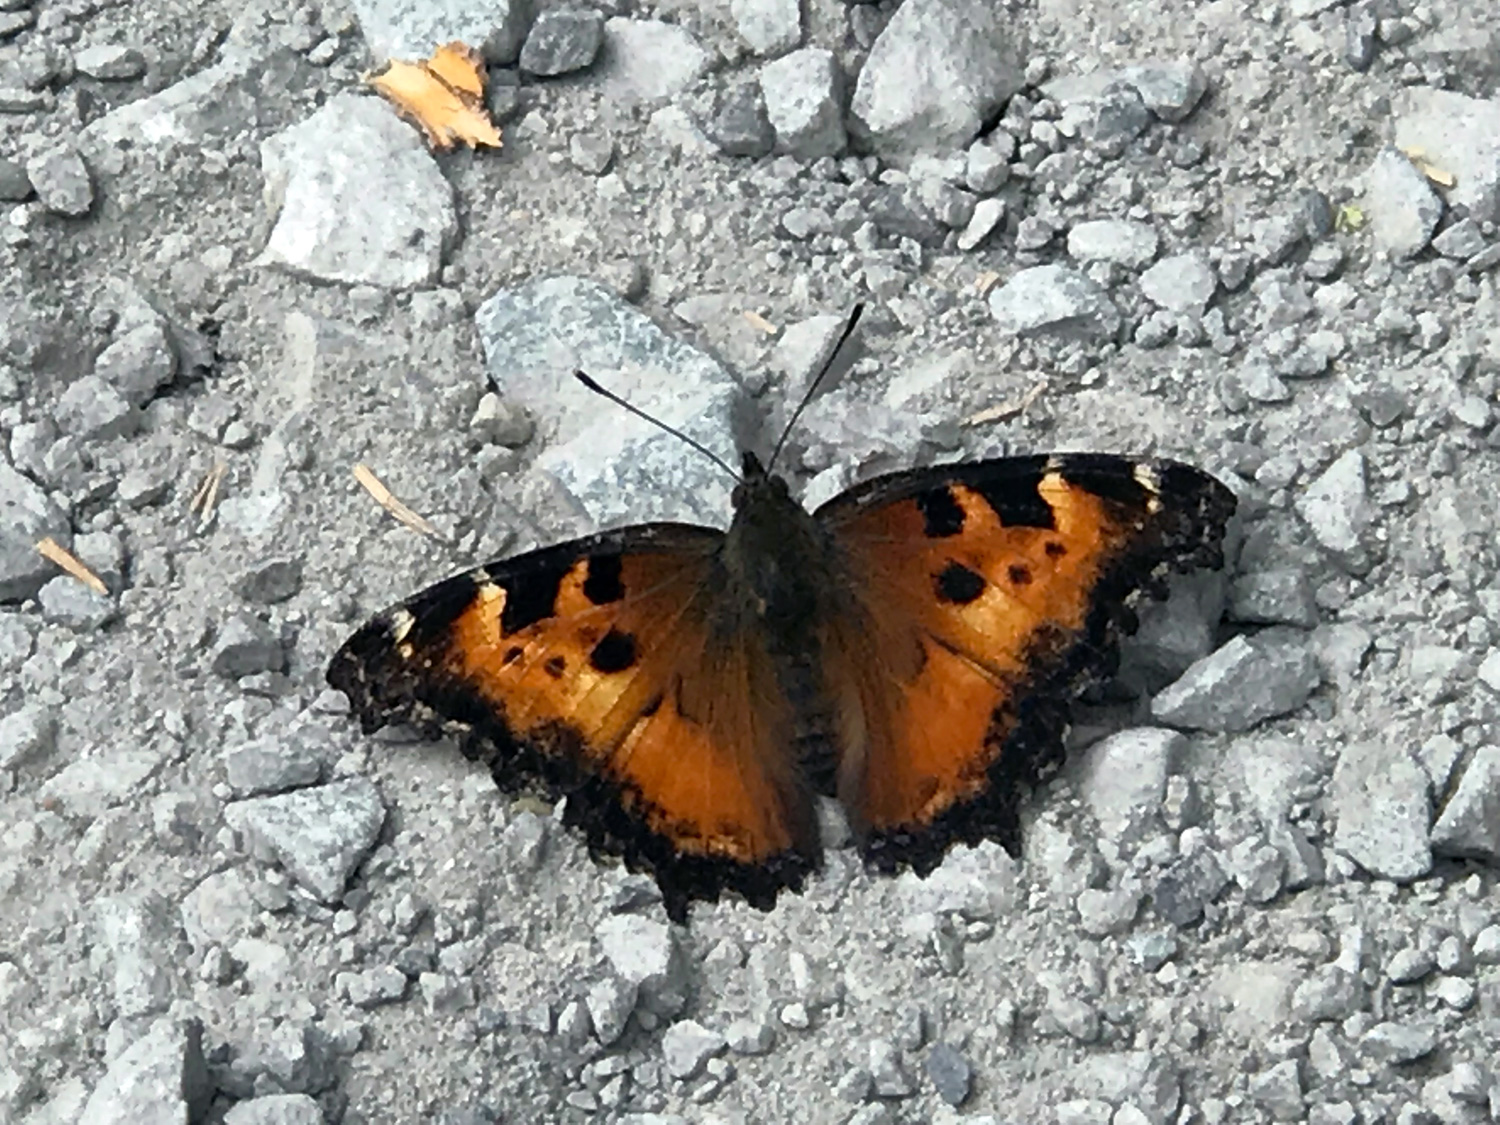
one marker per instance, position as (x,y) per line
(1261,238)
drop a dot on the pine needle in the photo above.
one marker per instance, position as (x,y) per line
(54,551)
(387,500)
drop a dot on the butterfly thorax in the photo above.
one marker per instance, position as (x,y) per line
(777,561)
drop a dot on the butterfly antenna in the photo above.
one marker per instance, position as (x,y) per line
(817,382)
(657,422)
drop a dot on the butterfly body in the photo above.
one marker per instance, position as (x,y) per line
(910,648)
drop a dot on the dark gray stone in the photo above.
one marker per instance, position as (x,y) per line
(739,125)
(562,41)
(950,1072)
(1185,889)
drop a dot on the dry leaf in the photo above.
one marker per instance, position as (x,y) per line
(985,282)
(444,96)
(1440,176)
(53,550)
(1349,218)
(759,322)
(387,500)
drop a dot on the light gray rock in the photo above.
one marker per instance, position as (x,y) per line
(1123,778)
(988,215)
(563,41)
(62,182)
(273,763)
(1331,992)
(610,1002)
(1338,512)
(935,74)
(1122,241)
(1054,299)
(614,467)
(1183,283)
(1273,597)
(687,1045)
(1170,88)
(246,646)
(68,602)
(1102,108)
(1278,1090)
(650,61)
(1258,867)
(27,515)
(1402,206)
(219,910)
(394,29)
(1469,826)
(1101,913)
(140,935)
(802,99)
(138,363)
(1241,684)
(329,225)
(768,27)
(319,835)
(644,956)
(1461,241)
(1398,1042)
(1379,799)
(887,1071)
(384,984)
(27,733)
(1459,134)
(750,1036)
(276,1109)
(110,62)
(160,1079)
(92,410)
(186,114)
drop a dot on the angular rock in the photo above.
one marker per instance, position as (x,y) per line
(246,646)
(1396,1042)
(1183,283)
(1458,134)
(645,957)
(1170,88)
(160,1079)
(138,363)
(688,1045)
(273,763)
(1053,299)
(802,98)
(1241,684)
(563,41)
(92,410)
(1279,1091)
(319,835)
(887,1072)
(610,1002)
(139,934)
(616,468)
(1469,826)
(1379,800)
(276,1109)
(27,515)
(28,732)
(1185,889)
(739,125)
(1402,206)
(1337,510)
(110,62)
(950,1073)
(938,71)
(204,108)
(1121,241)
(67,601)
(649,60)
(62,182)
(768,27)
(399,30)
(1124,777)
(270,581)
(329,225)
(1273,597)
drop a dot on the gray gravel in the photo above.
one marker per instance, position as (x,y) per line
(1260,239)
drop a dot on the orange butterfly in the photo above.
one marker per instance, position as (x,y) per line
(911,647)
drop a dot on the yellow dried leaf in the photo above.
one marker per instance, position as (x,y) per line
(444,96)
(1349,218)
(1440,176)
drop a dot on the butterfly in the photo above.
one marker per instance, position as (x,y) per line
(911,648)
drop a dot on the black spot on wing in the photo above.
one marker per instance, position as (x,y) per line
(1019,575)
(1016,501)
(958,585)
(615,652)
(531,593)
(941,514)
(555,666)
(602,584)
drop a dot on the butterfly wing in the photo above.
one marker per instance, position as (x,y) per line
(601,669)
(982,598)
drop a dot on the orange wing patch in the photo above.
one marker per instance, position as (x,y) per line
(591,667)
(443,96)
(992,597)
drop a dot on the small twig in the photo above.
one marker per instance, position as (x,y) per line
(759,322)
(1005,411)
(207,495)
(54,551)
(387,500)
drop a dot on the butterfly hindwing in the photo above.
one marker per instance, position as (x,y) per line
(981,598)
(600,668)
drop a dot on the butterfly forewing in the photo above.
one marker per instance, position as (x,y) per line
(594,667)
(981,598)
